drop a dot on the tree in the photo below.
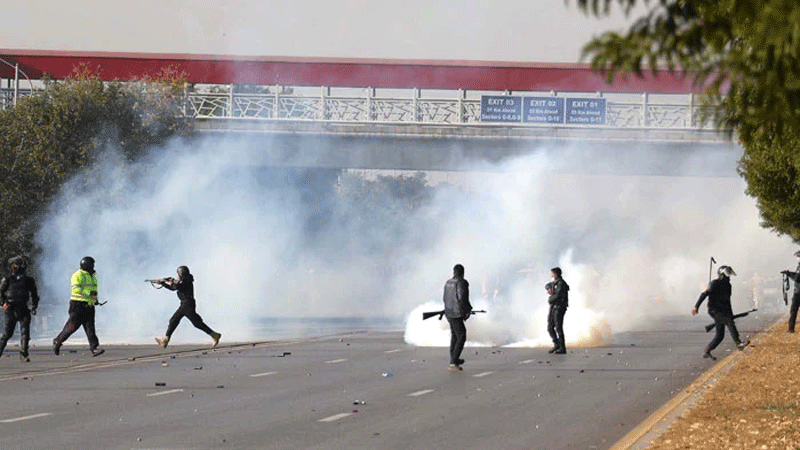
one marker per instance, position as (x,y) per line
(47,138)
(745,56)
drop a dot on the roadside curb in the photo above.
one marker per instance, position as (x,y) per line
(648,430)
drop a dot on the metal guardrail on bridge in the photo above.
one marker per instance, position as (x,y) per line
(364,106)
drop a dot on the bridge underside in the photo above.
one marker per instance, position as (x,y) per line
(392,147)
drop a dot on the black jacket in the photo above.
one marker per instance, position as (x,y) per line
(719,296)
(560,295)
(456,298)
(18,289)
(185,288)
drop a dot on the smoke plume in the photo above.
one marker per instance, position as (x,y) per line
(290,243)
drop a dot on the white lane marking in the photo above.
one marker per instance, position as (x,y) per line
(394,351)
(256,375)
(32,416)
(478,375)
(422,392)
(527,361)
(334,361)
(172,391)
(335,417)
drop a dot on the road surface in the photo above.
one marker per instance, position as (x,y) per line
(360,390)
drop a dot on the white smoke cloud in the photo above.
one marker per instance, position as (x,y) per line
(632,247)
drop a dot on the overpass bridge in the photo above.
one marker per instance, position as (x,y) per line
(426,115)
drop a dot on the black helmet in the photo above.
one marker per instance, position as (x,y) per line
(183,271)
(87,263)
(17,262)
(726,271)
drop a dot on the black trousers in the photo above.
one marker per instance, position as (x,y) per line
(80,315)
(793,310)
(458,337)
(187,309)
(555,325)
(722,320)
(17,313)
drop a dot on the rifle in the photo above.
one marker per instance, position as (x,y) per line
(428,315)
(735,316)
(158,283)
(786,288)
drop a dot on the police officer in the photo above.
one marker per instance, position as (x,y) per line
(795,276)
(185,287)
(15,291)
(81,307)
(558,300)
(719,308)
(457,309)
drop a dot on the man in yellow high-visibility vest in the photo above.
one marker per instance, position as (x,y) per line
(81,307)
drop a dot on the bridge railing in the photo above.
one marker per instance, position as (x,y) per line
(456,107)
(414,106)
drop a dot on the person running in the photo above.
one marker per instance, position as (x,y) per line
(184,285)
(81,307)
(718,293)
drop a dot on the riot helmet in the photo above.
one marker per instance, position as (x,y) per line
(726,271)
(183,272)
(87,264)
(17,264)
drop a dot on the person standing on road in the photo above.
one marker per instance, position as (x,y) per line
(457,309)
(185,287)
(81,307)
(15,292)
(558,300)
(795,276)
(719,308)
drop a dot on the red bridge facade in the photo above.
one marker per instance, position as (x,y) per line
(336,72)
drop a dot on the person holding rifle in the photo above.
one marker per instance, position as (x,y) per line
(184,285)
(718,293)
(81,307)
(457,309)
(15,292)
(795,276)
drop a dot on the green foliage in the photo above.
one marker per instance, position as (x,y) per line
(48,137)
(745,56)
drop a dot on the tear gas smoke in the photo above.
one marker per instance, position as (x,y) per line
(288,243)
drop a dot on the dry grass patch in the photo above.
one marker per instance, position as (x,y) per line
(756,405)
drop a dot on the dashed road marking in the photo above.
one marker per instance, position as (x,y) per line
(334,361)
(172,391)
(263,374)
(483,374)
(422,392)
(335,417)
(394,351)
(19,419)
(527,361)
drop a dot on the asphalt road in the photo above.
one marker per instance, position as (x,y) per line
(362,390)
